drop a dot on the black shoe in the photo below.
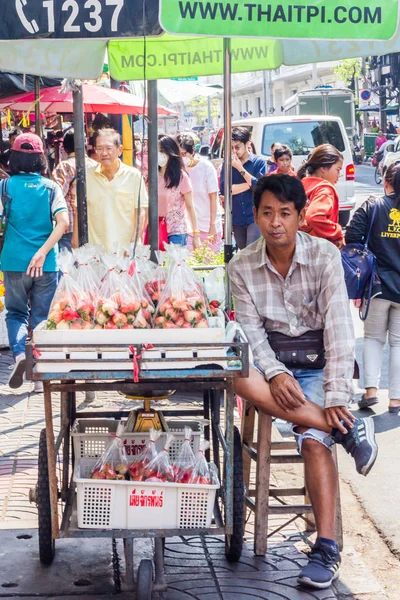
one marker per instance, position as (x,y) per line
(360,443)
(323,566)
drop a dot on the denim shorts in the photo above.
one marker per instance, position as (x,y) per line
(311,382)
(181,239)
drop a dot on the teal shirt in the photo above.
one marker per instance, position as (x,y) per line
(30,222)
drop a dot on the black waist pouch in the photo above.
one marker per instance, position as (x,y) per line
(303,352)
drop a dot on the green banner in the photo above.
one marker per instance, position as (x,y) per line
(312,19)
(167,56)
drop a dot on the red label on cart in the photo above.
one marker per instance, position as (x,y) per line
(133,448)
(144,498)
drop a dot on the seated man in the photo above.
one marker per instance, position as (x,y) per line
(290,283)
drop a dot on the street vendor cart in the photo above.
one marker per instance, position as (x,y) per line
(136,370)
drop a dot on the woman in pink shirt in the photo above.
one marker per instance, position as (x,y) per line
(381,139)
(175,198)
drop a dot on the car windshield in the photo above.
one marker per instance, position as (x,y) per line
(302,136)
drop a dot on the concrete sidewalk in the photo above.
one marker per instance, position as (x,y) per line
(195,567)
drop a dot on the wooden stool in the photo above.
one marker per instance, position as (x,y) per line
(266,452)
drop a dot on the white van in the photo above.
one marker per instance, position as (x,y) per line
(302,134)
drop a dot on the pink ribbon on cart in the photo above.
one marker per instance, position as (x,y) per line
(135,360)
(36,353)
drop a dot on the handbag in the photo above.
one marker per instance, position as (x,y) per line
(359,265)
(162,233)
(6,202)
(303,352)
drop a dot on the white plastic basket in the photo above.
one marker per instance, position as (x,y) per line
(141,505)
(91,437)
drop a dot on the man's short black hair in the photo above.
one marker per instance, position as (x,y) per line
(284,187)
(241,134)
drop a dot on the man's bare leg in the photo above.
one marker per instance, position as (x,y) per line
(320,470)
(256,390)
(321,481)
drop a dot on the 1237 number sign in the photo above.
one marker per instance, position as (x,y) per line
(22,19)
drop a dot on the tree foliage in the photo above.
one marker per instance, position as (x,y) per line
(198,106)
(349,70)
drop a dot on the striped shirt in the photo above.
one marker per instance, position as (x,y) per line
(312,296)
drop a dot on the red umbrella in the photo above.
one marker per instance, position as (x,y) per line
(95,99)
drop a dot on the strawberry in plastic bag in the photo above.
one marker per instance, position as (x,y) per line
(72,308)
(142,460)
(183,303)
(184,462)
(160,470)
(87,279)
(117,306)
(156,285)
(113,463)
(144,316)
(201,471)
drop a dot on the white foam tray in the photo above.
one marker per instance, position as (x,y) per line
(53,337)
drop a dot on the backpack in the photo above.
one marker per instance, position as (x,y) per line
(6,202)
(359,265)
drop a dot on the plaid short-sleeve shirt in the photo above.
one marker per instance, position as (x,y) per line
(312,296)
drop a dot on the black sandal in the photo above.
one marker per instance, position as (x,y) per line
(367,402)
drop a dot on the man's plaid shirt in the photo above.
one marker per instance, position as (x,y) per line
(312,296)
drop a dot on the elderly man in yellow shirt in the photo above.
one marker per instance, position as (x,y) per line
(113,192)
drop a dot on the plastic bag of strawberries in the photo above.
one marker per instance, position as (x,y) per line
(72,307)
(113,463)
(133,282)
(155,286)
(141,461)
(183,303)
(117,307)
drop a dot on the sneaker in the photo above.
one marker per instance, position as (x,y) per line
(360,443)
(38,387)
(16,378)
(323,566)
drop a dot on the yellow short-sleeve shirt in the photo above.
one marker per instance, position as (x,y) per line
(112,205)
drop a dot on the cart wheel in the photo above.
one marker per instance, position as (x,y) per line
(46,542)
(234,542)
(144,584)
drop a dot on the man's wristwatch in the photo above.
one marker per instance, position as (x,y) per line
(243,172)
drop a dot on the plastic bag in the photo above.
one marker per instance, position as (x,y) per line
(97,252)
(117,306)
(86,277)
(214,285)
(142,460)
(144,316)
(144,267)
(184,462)
(183,303)
(160,470)
(201,471)
(72,307)
(113,463)
(155,286)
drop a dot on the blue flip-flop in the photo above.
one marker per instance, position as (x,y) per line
(367,402)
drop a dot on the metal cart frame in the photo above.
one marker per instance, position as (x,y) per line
(211,379)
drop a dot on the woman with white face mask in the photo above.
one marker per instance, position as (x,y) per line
(205,193)
(175,198)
